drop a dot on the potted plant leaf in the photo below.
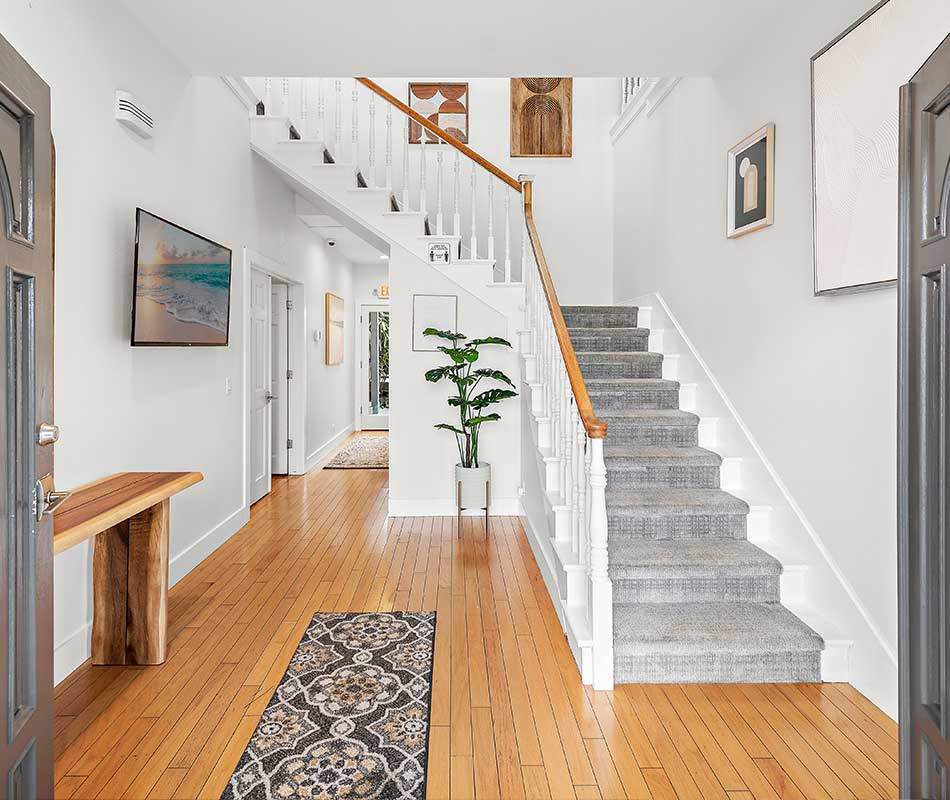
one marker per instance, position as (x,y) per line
(470,473)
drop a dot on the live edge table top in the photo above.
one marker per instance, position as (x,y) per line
(98,506)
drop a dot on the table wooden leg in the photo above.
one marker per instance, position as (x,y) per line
(130,590)
(110,563)
(147,634)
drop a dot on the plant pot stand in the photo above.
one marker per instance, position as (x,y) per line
(461,507)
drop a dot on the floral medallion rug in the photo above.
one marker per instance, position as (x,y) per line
(363,451)
(350,717)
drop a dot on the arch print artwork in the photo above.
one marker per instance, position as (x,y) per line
(541,117)
(751,166)
(445,104)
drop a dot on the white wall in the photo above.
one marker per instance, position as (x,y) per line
(422,459)
(572,196)
(813,377)
(121,408)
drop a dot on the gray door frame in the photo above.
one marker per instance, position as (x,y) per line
(923,436)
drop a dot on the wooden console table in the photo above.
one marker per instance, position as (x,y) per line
(127,514)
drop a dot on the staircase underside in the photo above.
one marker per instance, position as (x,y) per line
(694,601)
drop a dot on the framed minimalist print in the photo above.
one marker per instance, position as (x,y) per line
(334,331)
(751,167)
(541,117)
(438,311)
(855,81)
(445,104)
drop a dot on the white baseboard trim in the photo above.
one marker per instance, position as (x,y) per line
(445,507)
(324,449)
(71,652)
(189,558)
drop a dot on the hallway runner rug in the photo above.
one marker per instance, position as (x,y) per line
(363,451)
(350,717)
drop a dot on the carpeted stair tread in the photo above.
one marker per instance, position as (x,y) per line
(600,316)
(676,455)
(686,557)
(647,416)
(698,628)
(625,339)
(674,502)
(631,383)
(620,364)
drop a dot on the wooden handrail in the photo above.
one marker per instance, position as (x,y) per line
(596,428)
(445,136)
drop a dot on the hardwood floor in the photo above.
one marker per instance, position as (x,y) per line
(510,718)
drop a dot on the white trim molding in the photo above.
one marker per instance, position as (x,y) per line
(315,457)
(647,99)
(243,92)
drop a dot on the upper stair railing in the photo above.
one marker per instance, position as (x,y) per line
(570,432)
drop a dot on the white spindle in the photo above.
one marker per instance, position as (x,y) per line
(405,165)
(338,120)
(372,141)
(601,605)
(285,97)
(473,242)
(304,110)
(269,97)
(508,234)
(389,146)
(422,175)
(491,217)
(524,247)
(456,216)
(355,130)
(438,193)
(566,488)
(579,480)
(321,113)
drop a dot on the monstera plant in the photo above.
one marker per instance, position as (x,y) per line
(473,399)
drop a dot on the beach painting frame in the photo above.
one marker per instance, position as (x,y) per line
(181,288)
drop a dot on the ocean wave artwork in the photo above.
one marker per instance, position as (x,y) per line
(182,290)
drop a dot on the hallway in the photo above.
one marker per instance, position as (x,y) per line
(509,715)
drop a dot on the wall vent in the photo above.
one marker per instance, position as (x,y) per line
(131,113)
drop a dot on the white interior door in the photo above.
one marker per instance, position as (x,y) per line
(260,401)
(374,367)
(279,381)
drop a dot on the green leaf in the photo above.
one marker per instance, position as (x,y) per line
(474,421)
(460,355)
(444,426)
(490,396)
(457,401)
(489,340)
(437,374)
(450,335)
(497,374)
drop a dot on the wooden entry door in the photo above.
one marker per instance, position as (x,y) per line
(923,435)
(26,435)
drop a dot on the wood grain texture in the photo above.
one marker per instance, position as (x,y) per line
(110,576)
(510,718)
(148,586)
(596,428)
(541,117)
(98,506)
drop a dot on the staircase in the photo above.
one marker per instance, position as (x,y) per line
(693,600)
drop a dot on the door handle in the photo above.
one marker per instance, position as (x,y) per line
(47,434)
(269,397)
(46,499)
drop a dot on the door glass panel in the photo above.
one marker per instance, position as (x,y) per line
(16,167)
(19,427)
(377,389)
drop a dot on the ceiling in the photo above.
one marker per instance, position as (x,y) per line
(489,38)
(355,249)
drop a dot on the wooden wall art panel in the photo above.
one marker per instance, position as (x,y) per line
(541,117)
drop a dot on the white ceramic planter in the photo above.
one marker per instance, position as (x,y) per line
(472,484)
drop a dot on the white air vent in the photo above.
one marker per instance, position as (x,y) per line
(131,113)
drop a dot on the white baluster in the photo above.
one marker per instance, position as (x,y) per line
(601,606)
(355,130)
(473,242)
(491,218)
(456,216)
(579,483)
(372,140)
(566,488)
(389,146)
(524,247)
(304,110)
(269,97)
(422,174)
(321,113)
(508,234)
(285,97)
(405,165)
(338,121)
(438,193)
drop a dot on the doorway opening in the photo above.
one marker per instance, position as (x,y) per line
(373,385)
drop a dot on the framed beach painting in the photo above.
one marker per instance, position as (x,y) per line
(334,329)
(751,183)
(182,286)
(855,83)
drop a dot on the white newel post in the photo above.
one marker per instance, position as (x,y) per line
(371,163)
(601,590)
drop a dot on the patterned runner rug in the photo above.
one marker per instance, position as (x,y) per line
(363,451)
(350,717)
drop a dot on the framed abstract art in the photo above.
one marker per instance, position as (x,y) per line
(751,183)
(444,104)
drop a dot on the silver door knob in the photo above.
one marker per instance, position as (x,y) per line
(47,434)
(268,397)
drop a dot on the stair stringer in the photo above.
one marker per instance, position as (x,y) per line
(812,587)
(369,209)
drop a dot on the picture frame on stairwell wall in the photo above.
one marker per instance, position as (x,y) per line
(542,117)
(444,104)
(750,170)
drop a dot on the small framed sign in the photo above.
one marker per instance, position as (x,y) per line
(438,311)
(751,167)
(440,253)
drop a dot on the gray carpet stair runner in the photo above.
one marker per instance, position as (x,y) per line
(694,601)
